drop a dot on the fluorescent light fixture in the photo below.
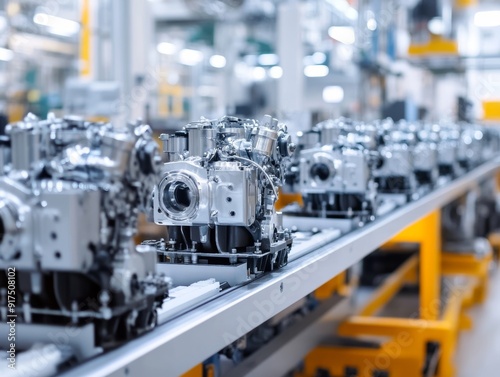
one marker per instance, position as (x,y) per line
(190,57)
(371,24)
(268,59)
(333,94)
(166,48)
(436,26)
(487,18)
(318,57)
(57,25)
(351,13)
(259,73)
(316,70)
(276,72)
(343,34)
(6,54)
(217,61)
(344,7)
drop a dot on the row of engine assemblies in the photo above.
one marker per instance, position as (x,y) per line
(334,169)
(70,195)
(340,166)
(396,169)
(217,193)
(413,156)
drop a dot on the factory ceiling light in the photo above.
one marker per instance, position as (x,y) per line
(344,7)
(276,72)
(343,34)
(259,73)
(333,94)
(166,48)
(268,59)
(487,18)
(6,54)
(57,25)
(190,57)
(436,26)
(316,70)
(217,61)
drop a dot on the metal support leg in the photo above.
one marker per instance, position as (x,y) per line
(427,233)
(403,345)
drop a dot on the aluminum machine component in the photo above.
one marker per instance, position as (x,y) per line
(449,139)
(469,153)
(217,193)
(324,132)
(395,173)
(425,156)
(335,172)
(69,200)
(491,137)
(463,224)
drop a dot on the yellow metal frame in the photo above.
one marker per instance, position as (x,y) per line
(337,285)
(494,239)
(85,40)
(436,46)
(285,199)
(403,341)
(471,265)
(197,371)
(491,110)
(463,4)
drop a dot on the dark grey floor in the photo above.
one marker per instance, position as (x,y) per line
(478,352)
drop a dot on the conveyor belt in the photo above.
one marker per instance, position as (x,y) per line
(180,344)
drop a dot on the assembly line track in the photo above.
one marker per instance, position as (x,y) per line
(176,346)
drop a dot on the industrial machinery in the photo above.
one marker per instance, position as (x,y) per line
(216,195)
(467,221)
(425,156)
(335,174)
(449,137)
(471,143)
(395,173)
(70,195)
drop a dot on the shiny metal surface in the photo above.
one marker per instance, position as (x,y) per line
(221,321)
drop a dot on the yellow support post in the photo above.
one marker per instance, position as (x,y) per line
(85,62)
(197,371)
(494,239)
(427,233)
(403,352)
(402,342)
(285,199)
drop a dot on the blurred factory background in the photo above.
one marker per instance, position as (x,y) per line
(172,61)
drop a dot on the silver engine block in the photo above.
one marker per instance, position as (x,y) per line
(335,170)
(70,195)
(395,173)
(217,193)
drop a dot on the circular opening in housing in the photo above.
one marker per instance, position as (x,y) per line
(320,171)
(178,196)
